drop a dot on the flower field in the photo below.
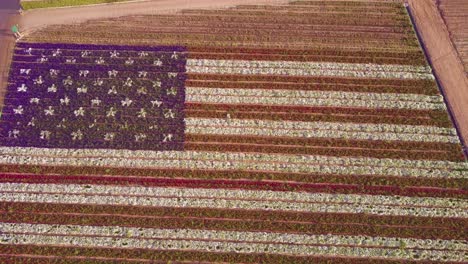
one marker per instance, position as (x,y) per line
(312,132)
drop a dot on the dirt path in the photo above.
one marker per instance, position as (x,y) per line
(38,18)
(8,17)
(444,59)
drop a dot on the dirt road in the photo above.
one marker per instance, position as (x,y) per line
(444,59)
(38,18)
(8,17)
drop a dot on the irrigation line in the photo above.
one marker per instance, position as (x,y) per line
(439,85)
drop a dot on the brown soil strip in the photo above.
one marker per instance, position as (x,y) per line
(445,62)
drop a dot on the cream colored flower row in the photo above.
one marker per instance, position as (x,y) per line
(390,132)
(307,65)
(230,247)
(238,236)
(396,201)
(228,203)
(350,127)
(234,161)
(278,93)
(309,72)
(306,98)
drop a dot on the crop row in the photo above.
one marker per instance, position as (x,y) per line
(234,223)
(229,203)
(312,98)
(190,180)
(175,22)
(237,214)
(237,236)
(323,114)
(295,198)
(385,3)
(210,247)
(413,86)
(439,168)
(201,160)
(322,147)
(186,39)
(438,187)
(171,255)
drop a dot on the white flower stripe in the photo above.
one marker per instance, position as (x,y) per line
(284,167)
(320,133)
(308,72)
(395,201)
(237,99)
(270,128)
(349,127)
(278,93)
(307,65)
(233,156)
(265,237)
(218,203)
(230,247)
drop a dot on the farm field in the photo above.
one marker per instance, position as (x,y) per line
(34,4)
(312,132)
(455,15)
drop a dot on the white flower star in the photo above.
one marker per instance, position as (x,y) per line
(142,74)
(109,136)
(114,54)
(142,113)
(128,82)
(167,137)
(141,90)
(13,133)
(95,102)
(143,54)
(83,73)
(49,111)
(25,71)
(53,72)
(140,137)
(100,61)
(19,110)
(65,100)
(34,100)
(45,134)
(79,112)
(126,102)
(82,89)
(112,73)
(67,81)
(112,90)
(156,102)
(23,88)
(77,135)
(111,112)
(158,62)
(39,80)
(52,89)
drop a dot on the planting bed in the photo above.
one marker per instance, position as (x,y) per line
(455,15)
(312,132)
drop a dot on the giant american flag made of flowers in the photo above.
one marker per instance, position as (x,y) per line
(95,96)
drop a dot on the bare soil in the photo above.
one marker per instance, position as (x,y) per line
(445,61)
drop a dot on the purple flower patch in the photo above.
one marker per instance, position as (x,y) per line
(95,96)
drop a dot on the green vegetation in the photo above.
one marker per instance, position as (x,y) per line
(60,3)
